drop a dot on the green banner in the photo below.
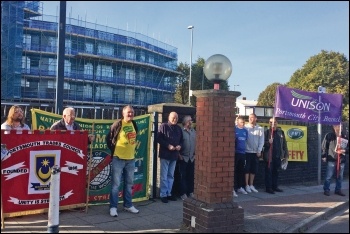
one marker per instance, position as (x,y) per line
(100,163)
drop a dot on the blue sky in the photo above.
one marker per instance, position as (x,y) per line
(266,42)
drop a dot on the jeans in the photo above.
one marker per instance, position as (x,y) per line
(122,169)
(167,169)
(186,176)
(331,169)
(271,174)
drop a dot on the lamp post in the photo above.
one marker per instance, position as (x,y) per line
(217,68)
(189,82)
(234,87)
(321,89)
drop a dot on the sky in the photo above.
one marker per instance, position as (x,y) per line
(266,42)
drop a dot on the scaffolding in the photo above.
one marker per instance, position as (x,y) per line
(104,66)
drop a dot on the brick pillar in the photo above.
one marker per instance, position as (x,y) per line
(213,209)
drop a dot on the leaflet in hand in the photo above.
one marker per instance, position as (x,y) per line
(341,143)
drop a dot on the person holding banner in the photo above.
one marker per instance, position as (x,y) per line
(255,143)
(169,138)
(67,123)
(334,147)
(15,120)
(275,150)
(121,140)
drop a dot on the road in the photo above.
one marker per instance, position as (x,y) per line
(337,223)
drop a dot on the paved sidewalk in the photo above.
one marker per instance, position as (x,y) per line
(293,210)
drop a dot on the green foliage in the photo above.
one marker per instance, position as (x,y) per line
(267,97)
(198,81)
(327,69)
(181,92)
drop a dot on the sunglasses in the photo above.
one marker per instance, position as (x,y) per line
(273,122)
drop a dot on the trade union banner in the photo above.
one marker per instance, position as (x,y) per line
(99,159)
(307,106)
(26,164)
(296,137)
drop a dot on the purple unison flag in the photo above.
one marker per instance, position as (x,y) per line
(307,106)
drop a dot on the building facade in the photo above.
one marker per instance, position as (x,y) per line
(104,68)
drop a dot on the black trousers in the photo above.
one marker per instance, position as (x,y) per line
(186,170)
(271,173)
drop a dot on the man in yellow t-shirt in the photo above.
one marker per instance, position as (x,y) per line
(121,140)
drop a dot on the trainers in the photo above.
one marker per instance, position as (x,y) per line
(132,210)
(183,197)
(247,188)
(327,193)
(241,190)
(113,212)
(191,195)
(235,194)
(252,188)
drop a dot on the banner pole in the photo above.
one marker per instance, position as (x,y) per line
(88,179)
(2,215)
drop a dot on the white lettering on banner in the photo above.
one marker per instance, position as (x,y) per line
(39,143)
(311,105)
(312,117)
(14,171)
(38,201)
(72,168)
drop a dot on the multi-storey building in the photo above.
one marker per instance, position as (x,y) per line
(104,68)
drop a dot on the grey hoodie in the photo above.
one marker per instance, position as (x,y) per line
(255,141)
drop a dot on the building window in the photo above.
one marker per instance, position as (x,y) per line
(105,50)
(87,91)
(88,69)
(52,65)
(130,54)
(89,48)
(24,83)
(66,85)
(51,84)
(130,76)
(129,95)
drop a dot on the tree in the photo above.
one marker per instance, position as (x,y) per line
(327,69)
(267,97)
(181,92)
(198,81)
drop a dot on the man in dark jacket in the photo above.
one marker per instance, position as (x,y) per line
(169,138)
(67,123)
(275,150)
(121,140)
(332,151)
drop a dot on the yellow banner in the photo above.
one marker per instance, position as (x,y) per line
(296,137)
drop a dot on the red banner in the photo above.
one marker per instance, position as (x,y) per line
(26,169)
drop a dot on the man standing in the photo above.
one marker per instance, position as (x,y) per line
(67,123)
(15,120)
(255,143)
(275,150)
(169,137)
(333,151)
(187,159)
(121,140)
